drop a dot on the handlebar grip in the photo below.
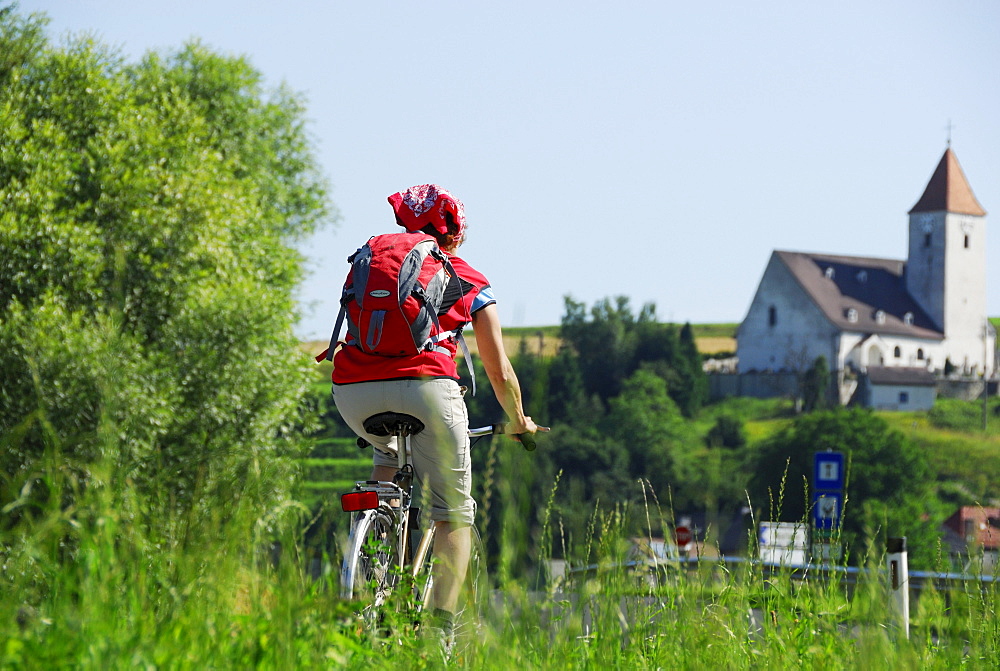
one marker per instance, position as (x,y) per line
(527,440)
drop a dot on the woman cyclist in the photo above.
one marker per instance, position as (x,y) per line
(425,385)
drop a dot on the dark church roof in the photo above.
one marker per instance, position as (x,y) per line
(948,190)
(899,376)
(860,294)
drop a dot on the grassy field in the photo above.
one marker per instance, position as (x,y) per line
(118,595)
(99,585)
(275,616)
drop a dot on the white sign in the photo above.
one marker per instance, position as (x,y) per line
(829,470)
(783,543)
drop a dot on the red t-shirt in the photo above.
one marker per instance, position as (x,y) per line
(351,364)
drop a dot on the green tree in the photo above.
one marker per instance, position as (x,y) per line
(148,268)
(692,392)
(533,376)
(816,385)
(726,432)
(651,427)
(567,398)
(611,344)
(604,343)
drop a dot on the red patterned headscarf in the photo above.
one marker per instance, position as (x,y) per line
(426,204)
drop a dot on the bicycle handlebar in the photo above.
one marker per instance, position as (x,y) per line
(526,439)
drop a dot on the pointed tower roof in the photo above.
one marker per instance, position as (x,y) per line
(948,190)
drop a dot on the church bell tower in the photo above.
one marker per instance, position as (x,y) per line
(946,264)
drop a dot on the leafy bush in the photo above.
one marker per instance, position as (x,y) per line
(727,432)
(966,416)
(147,272)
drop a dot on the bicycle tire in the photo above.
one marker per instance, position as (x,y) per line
(371,563)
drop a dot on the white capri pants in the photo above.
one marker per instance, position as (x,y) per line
(439,453)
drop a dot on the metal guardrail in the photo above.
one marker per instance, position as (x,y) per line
(918,580)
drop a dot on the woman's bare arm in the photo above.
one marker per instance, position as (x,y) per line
(486,325)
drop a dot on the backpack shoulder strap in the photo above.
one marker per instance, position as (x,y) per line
(335,337)
(468,360)
(461,337)
(347,294)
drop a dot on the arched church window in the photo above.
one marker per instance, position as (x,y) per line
(897,352)
(852,315)
(880,316)
(772,316)
(908,319)
(920,354)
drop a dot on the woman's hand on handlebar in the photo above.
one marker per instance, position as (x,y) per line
(524,432)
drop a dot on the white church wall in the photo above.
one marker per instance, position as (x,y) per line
(965,276)
(857,349)
(924,265)
(901,397)
(946,274)
(783,329)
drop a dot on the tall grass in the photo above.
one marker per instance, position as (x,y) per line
(95,584)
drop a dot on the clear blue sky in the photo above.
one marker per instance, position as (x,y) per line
(659,150)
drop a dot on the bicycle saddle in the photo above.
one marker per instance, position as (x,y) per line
(392,423)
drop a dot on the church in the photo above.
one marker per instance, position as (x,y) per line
(911,321)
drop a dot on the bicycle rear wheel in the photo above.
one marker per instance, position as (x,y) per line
(371,564)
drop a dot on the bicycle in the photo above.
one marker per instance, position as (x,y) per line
(383,550)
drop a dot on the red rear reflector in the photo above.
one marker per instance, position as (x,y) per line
(353,501)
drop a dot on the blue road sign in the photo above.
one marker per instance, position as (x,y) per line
(826,509)
(828,474)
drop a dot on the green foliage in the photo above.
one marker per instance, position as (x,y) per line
(147,271)
(649,424)
(966,416)
(966,464)
(816,385)
(226,600)
(567,398)
(727,432)
(604,343)
(692,392)
(611,343)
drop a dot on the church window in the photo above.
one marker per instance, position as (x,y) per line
(967,242)
(927,239)
(852,315)
(772,316)
(829,273)
(896,352)
(908,319)
(920,354)
(880,316)
(904,397)
(863,276)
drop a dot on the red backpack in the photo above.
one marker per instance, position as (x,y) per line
(392,296)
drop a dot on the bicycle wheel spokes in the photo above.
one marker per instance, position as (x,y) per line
(371,566)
